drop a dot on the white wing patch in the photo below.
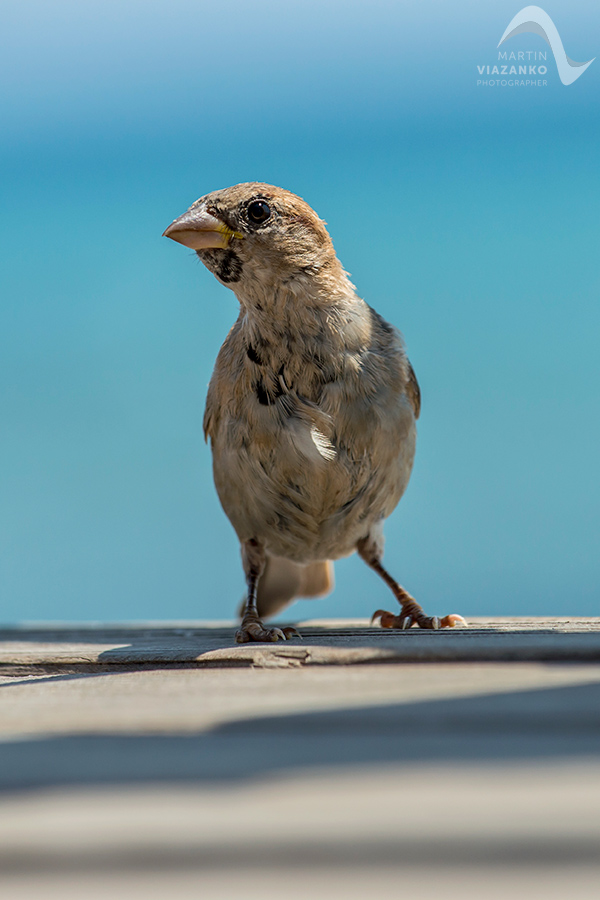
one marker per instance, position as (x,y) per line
(322,443)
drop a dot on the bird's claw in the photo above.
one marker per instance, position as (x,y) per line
(252,629)
(291,632)
(405,621)
(389,620)
(452,621)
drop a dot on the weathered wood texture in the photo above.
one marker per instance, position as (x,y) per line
(337,642)
(157,760)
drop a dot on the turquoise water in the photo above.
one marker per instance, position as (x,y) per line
(468,216)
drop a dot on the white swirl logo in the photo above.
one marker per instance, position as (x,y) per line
(535,20)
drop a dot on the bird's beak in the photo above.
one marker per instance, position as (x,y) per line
(198,230)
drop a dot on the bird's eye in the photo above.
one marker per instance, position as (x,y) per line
(258,211)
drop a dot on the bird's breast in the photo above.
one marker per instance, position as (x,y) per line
(308,473)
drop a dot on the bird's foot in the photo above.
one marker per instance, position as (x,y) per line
(252,629)
(415,616)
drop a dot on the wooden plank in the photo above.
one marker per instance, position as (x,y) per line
(334,642)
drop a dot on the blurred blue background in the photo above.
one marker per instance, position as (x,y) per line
(468,216)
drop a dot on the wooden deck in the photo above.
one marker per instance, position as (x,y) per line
(151,759)
(339,642)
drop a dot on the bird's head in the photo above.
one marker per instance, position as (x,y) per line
(258,239)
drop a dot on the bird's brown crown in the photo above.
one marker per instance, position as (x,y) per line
(254,208)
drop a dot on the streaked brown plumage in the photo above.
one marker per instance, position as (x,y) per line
(311,408)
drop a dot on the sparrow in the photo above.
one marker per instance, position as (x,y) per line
(311,408)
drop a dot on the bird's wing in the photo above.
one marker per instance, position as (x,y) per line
(413,391)
(225,380)
(210,413)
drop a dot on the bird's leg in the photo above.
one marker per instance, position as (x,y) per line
(371,550)
(252,629)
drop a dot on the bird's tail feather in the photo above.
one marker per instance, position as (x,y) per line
(284,581)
